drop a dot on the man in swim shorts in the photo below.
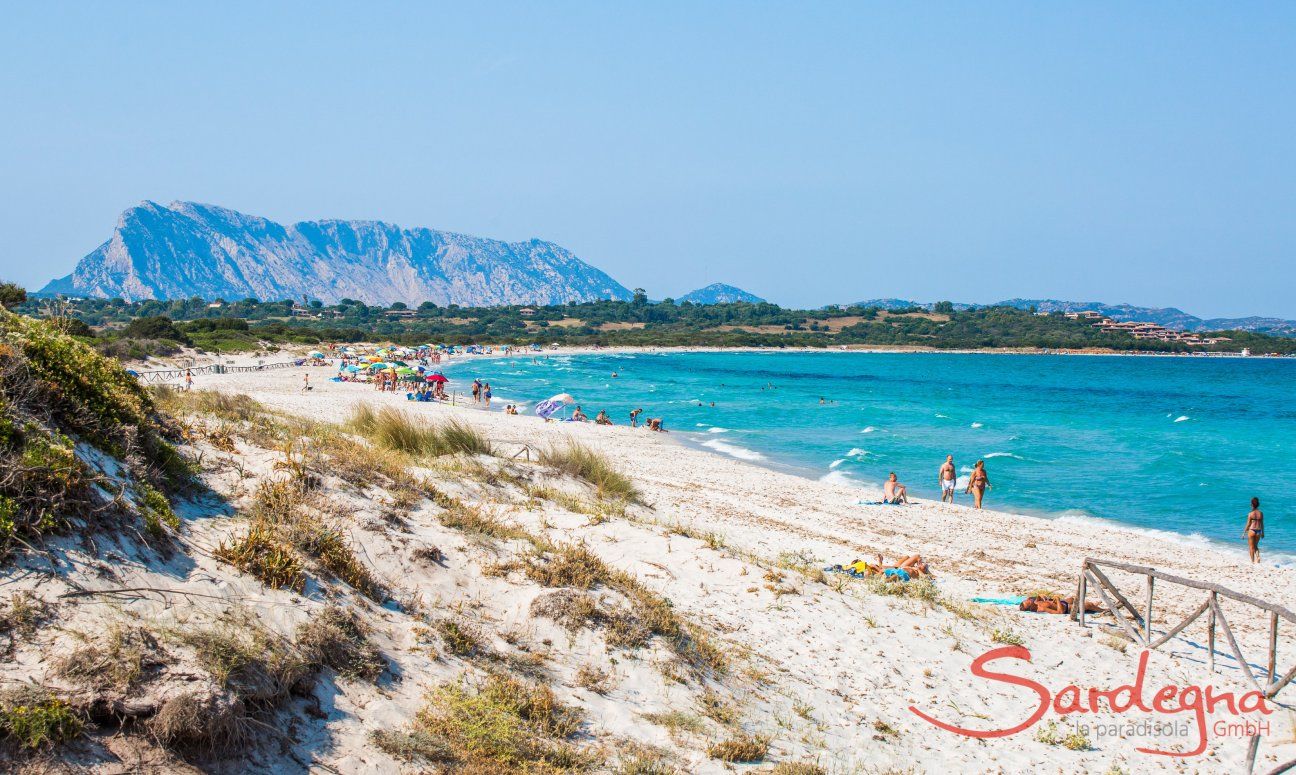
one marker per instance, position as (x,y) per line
(947,478)
(893,491)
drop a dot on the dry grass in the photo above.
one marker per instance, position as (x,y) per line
(283,531)
(580,461)
(714,707)
(245,658)
(411,746)
(260,553)
(798,768)
(202,721)
(502,725)
(117,659)
(23,614)
(677,721)
(393,429)
(741,748)
(477,521)
(594,678)
(336,638)
(575,566)
(460,638)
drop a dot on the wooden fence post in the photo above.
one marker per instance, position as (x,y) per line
(1273,647)
(1147,622)
(1210,634)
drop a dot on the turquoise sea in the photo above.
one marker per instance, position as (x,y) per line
(1161,444)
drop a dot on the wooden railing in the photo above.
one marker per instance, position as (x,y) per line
(1138,625)
(168,375)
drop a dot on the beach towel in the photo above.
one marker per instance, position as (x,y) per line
(1013,601)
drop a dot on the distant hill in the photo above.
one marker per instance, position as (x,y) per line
(889,304)
(186,249)
(1170,317)
(719,293)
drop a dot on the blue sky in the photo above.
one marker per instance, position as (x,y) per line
(811,153)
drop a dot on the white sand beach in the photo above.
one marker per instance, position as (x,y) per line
(837,667)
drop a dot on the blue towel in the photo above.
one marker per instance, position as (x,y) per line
(1017,600)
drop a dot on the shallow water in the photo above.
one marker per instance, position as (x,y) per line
(1165,444)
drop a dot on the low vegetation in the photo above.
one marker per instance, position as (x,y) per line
(740,748)
(250,324)
(400,431)
(499,725)
(575,566)
(336,638)
(56,393)
(577,460)
(284,533)
(33,719)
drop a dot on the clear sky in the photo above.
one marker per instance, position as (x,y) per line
(809,152)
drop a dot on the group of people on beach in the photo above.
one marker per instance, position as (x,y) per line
(893,492)
(481,393)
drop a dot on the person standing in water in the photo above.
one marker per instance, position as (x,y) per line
(486,394)
(978,483)
(1254,530)
(947,477)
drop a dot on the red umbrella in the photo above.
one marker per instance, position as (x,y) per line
(436,378)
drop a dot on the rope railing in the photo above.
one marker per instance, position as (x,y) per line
(1138,625)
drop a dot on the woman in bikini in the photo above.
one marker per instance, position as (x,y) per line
(1254,530)
(1052,604)
(978,483)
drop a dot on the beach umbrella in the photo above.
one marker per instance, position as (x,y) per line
(405,372)
(549,406)
(352,368)
(437,378)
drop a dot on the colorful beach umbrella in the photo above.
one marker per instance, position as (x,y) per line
(437,378)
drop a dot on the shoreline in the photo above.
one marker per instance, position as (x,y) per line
(772,461)
(626,446)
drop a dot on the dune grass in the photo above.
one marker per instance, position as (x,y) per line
(576,566)
(742,748)
(400,431)
(283,533)
(503,725)
(576,459)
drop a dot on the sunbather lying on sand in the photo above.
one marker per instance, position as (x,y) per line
(905,568)
(1052,604)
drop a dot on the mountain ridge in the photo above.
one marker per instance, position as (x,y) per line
(188,249)
(719,293)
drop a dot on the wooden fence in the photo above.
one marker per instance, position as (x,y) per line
(1138,625)
(169,375)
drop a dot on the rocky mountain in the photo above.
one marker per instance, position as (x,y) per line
(187,249)
(719,293)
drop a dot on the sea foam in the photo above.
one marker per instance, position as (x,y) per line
(733,450)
